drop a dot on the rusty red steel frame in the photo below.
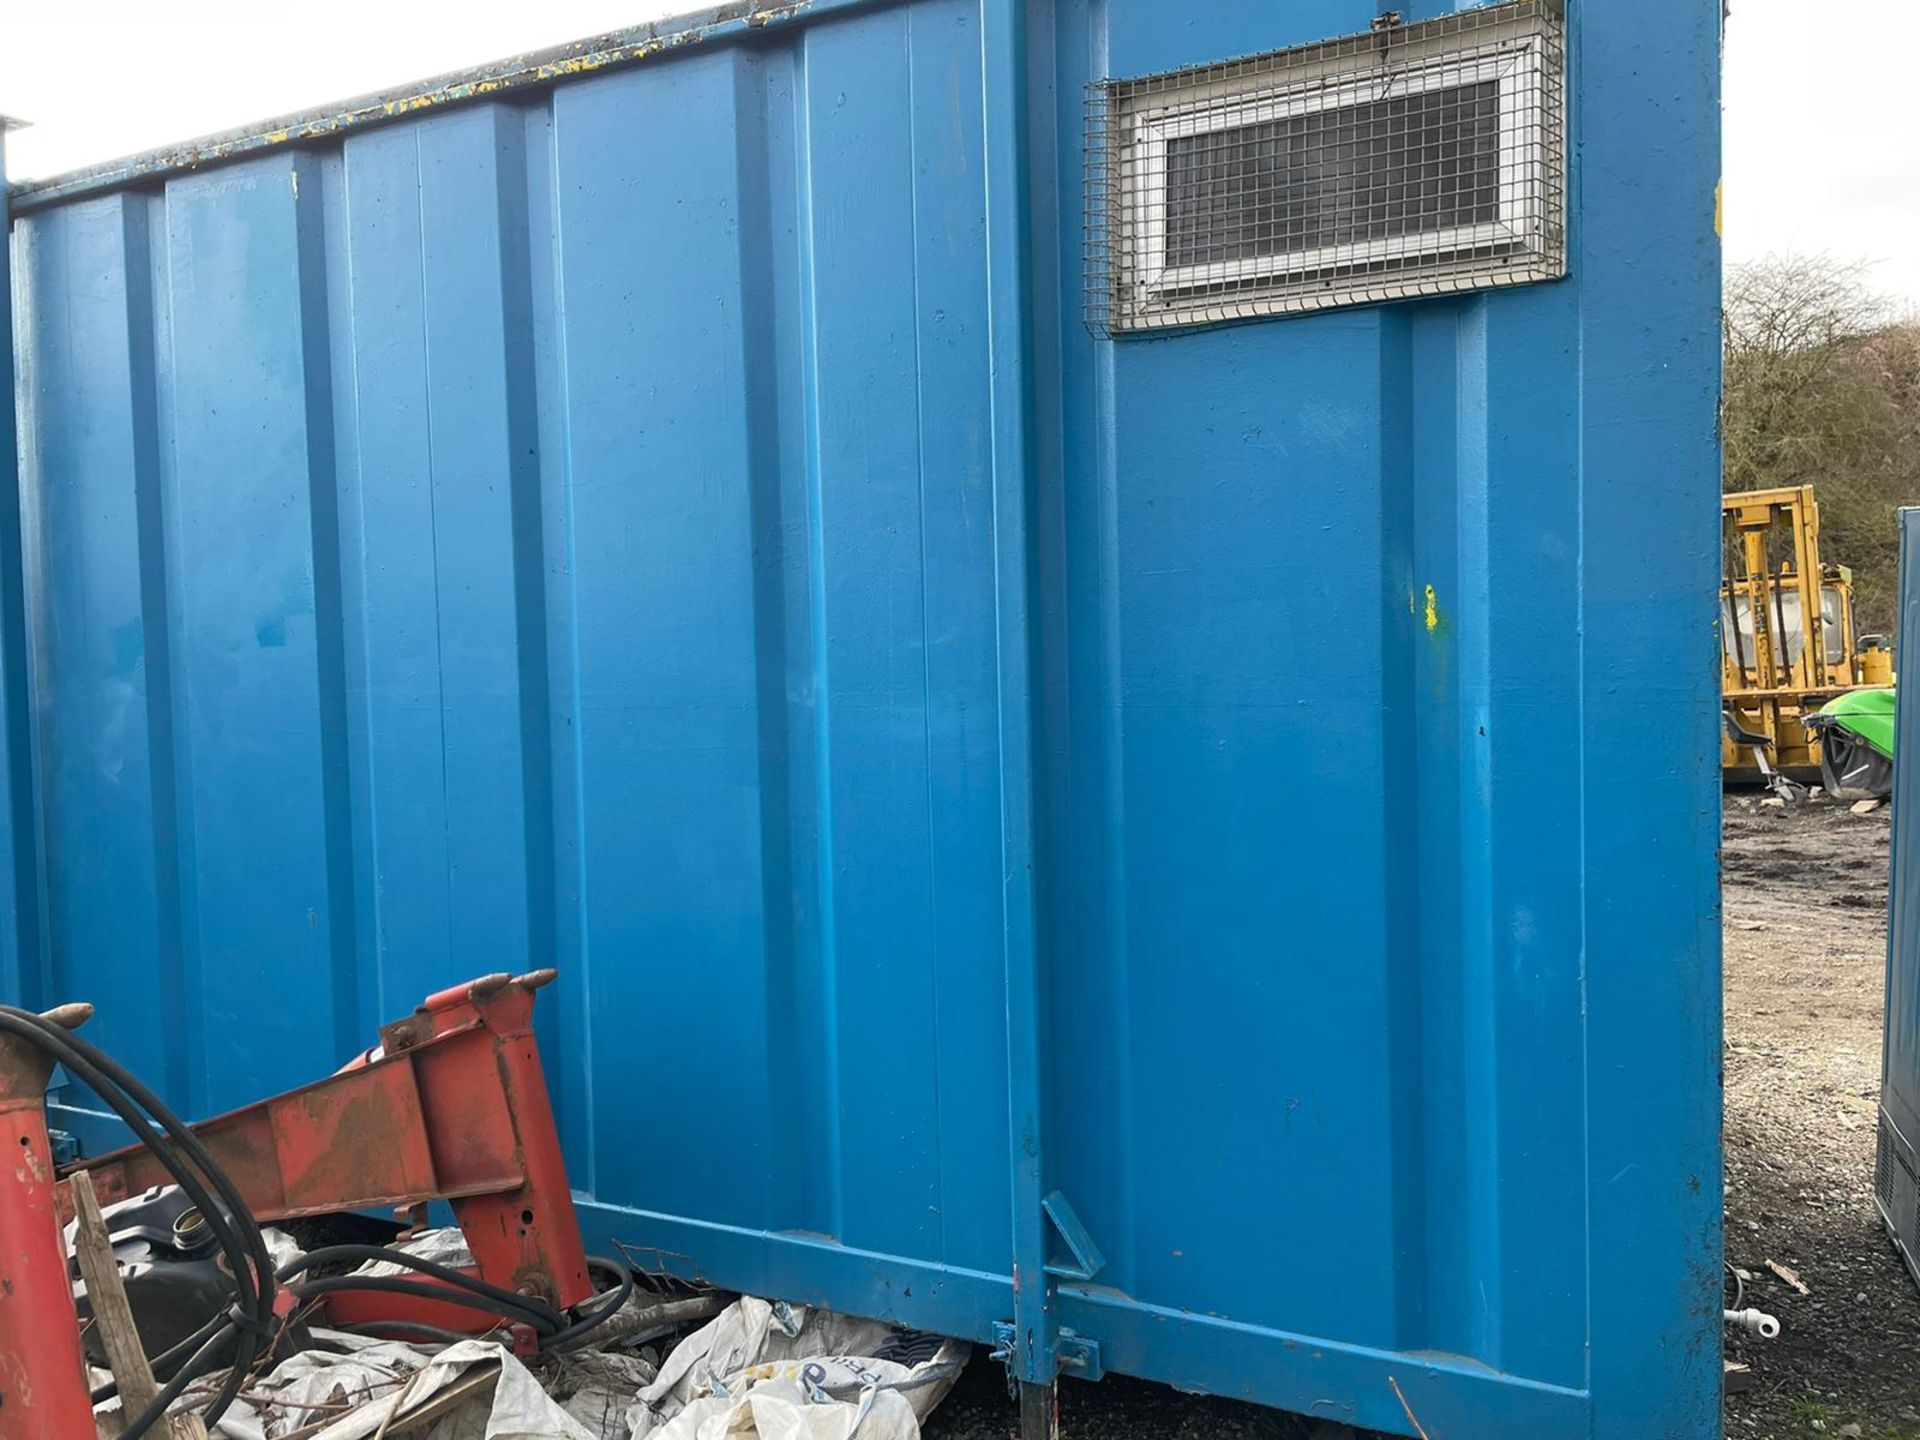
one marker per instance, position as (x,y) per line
(452,1105)
(43,1375)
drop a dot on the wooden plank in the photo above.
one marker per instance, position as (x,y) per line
(478,1381)
(113,1315)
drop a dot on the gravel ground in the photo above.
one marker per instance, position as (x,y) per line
(1806,891)
(1806,898)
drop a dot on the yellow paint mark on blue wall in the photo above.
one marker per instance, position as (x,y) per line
(1433,610)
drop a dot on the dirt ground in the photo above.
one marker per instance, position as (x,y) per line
(1806,904)
(1806,907)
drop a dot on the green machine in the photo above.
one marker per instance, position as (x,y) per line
(1856,744)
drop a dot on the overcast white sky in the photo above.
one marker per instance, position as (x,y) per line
(1823,133)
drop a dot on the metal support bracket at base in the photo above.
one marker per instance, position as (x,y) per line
(1087,1259)
(1080,1356)
(1077,1355)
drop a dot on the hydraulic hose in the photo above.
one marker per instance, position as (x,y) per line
(610,1305)
(422,1290)
(537,1313)
(199,1176)
(457,1287)
(248,1326)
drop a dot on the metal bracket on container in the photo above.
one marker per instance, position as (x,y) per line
(1078,1355)
(1087,1259)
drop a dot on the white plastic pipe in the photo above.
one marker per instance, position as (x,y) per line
(1754,1322)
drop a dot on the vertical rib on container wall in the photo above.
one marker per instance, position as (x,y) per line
(20,917)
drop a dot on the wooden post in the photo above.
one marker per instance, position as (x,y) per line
(114,1316)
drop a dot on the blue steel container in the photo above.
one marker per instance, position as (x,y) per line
(1896,1170)
(1154,852)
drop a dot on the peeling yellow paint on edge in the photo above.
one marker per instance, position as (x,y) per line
(1433,610)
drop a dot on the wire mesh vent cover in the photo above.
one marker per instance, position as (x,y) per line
(1897,1193)
(1414,160)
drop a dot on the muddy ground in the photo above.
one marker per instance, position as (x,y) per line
(1806,896)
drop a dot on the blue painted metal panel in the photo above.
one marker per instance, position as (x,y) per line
(20,908)
(1897,1165)
(671,522)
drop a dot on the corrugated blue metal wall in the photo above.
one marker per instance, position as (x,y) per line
(675,525)
(1897,1163)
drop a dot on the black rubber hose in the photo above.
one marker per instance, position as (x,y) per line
(357,1254)
(196,1150)
(106,1076)
(93,1068)
(252,1268)
(204,1359)
(121,1092)
(73,1054)
(182,1153)
(420,1290)
(180,1351)
(163,1363)
(549,1323)
(257,1267)
(611,1305)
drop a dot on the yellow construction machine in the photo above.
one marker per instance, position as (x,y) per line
(1787,637)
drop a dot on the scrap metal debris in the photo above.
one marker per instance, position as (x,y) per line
(756,1368)
(504,1329)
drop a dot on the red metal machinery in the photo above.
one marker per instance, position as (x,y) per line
(453,1106)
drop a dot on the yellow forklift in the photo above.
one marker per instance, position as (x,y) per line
(1788,645)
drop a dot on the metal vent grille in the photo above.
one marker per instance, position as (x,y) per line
(1416,160)
(1896,1194)
(1883,1170)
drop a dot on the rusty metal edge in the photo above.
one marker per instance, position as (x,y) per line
(529,71)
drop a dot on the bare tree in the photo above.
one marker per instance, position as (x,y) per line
(1893,358)
(1799,305)
(1821,389)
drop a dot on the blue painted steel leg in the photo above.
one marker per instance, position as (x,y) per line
(1031,1355)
